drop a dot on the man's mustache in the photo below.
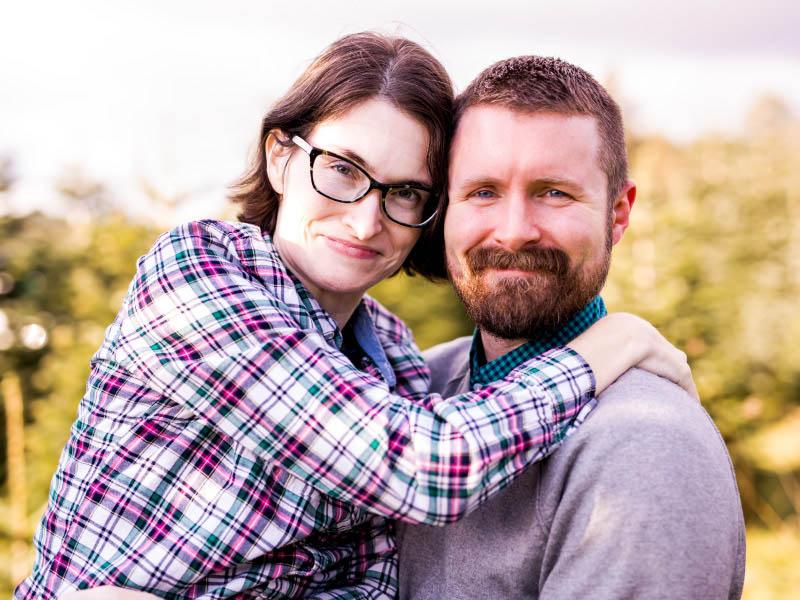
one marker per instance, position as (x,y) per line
(552,260)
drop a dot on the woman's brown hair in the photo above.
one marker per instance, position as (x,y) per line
(350,71)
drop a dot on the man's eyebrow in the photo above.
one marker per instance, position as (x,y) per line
(478,181)
(488,180)
(557,182)
(356,158)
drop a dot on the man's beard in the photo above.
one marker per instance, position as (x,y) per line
(532,305)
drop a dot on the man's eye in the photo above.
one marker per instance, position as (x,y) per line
(482,194)
(556,194)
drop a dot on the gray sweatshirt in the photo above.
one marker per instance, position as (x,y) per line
(640,502)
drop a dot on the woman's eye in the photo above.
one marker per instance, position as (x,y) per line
(342,169)
(406,196)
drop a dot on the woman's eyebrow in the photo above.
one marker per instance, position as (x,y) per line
(356,158)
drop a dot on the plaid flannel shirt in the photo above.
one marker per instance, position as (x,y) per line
(226,448)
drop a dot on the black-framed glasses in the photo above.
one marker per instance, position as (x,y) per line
(340,179)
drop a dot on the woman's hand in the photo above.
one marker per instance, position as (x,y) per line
(108,592)
(620,341)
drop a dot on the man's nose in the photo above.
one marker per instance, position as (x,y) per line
(516,223)
(364,217)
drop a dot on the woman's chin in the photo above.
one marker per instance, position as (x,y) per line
(348,279)
(344,286)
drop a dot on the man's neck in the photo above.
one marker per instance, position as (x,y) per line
(495,347)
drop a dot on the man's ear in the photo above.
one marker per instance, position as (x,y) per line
(277,152)
(621,210)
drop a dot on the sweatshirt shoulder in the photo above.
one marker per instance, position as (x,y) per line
(449,351)
(646,410)
(448,361)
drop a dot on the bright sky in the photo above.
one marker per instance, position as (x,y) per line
(171,91)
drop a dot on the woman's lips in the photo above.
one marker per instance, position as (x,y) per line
(351,249)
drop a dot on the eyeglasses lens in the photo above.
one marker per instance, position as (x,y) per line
(342,180)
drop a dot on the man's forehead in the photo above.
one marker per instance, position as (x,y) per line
(486,116)
(492,135)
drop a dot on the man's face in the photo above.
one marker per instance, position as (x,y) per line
(529,227)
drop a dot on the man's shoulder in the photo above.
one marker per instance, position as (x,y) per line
(644,413)
(456,349)
(640,396)
(447,361)
(646,470)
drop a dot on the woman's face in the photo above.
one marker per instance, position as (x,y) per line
(340,250)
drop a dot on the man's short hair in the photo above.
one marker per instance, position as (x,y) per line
(537,83)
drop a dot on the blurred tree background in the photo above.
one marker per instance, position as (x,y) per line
(712,258)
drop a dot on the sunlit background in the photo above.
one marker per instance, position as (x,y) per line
(119,119)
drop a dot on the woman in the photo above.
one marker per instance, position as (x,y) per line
(252,418)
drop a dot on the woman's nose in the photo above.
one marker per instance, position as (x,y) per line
(365,217)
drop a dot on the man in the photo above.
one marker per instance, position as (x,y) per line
(641,502)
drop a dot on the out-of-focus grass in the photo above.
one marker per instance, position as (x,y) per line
(773,564)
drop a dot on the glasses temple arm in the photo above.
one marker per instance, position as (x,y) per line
(304,145)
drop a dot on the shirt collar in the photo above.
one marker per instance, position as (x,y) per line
(482,373)
(367,338)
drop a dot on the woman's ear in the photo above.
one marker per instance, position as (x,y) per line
(277,153)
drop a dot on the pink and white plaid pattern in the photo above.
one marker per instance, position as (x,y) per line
(225,448)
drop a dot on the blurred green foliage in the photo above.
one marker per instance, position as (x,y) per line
(712,258)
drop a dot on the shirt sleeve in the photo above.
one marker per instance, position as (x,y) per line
(370,571)
(206,326)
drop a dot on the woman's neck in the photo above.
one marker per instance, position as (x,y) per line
(339,306)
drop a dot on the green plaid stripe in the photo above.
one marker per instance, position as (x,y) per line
(482,373)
